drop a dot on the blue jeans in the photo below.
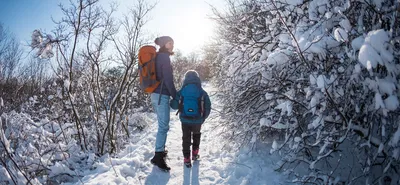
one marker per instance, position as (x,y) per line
(162,112)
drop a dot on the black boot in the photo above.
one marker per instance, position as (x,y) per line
(159,160)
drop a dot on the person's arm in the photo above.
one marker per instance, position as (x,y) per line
(175,101)
(207,105)
(167,75)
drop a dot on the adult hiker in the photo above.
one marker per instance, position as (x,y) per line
(161,96)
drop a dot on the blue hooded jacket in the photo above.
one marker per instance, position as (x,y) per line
(191,77)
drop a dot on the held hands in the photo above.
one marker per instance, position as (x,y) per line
(174,104)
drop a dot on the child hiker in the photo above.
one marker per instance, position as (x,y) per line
(194,106)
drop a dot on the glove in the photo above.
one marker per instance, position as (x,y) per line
(174,104)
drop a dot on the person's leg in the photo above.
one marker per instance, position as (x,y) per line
(196,136)
(186,140)
(196,140)
(162,111)
(163,115)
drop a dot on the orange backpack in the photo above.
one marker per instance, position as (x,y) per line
(147,68)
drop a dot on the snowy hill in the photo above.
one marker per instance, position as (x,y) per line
(219,164)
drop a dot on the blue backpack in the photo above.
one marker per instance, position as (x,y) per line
(191,104)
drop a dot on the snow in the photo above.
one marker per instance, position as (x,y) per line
(321,81)
(285,107)
(341,69)
(357,43)
(340,35)
(91,96)
(285,39)
(4,175)
(357,68)
(278,58)
(378,3)
(317,122)
(317,8)
(37,38)
(265,122)
(396,138)
(3,138)
(66,84)
(378,101)
(379,40)
(396,153)
(42,44)
(391,103)
(50,97)
(345,23)
(47,52)
(375,50)
(387,167)
(269,96)
(314,102)
(368,57)
(379,37)
(293,2)
(275,146)
(386,86)
(60,168)
(219,164)
(279,125)
(313,80)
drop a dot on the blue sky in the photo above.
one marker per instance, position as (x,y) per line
(21,17)
(184,20)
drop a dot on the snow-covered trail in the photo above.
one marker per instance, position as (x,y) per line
(217,165)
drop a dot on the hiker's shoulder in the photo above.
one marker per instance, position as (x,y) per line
(162,55)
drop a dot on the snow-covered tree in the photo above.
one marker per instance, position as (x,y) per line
(322,74)
(89,92)
(92,105)
(193,61)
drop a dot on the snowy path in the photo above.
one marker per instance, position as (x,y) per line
(217,166)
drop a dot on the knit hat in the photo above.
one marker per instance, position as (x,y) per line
(163,40)
(191,73)
(191,77)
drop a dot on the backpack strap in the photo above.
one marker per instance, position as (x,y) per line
(159,98)
(180,106)
(162,81)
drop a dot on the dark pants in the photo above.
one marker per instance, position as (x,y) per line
(187,130)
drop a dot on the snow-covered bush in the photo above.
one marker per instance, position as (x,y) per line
(43,141)
(327,74)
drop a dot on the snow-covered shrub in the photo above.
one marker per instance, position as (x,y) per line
(43,140)
(325,72)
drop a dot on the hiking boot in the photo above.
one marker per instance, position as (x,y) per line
(187,162)
(195,154)
(159,161)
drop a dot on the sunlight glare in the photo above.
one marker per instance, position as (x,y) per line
(192,32)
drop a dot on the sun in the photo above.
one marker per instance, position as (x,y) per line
(194,31)
(186,21)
